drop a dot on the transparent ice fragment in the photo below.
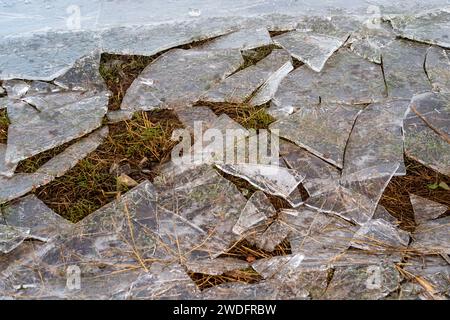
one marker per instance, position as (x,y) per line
(403,65)
(345,79)
(311,48)
(434,110)
(425,209)
(431,26)
(239,87)
(33,132)
(244,39)
(256,212)
(216,266)
(426,146)
(179,78)
(377,137)
(11,237)
(432,237)
(16,89)
(437,65)
(31,213)
(272,179)
(320,176)
(323,130)
(379,235)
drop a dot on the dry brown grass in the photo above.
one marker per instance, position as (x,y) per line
(417,181)
(137,146)
(4,122)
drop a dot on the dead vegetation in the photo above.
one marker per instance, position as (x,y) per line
(4,122)
(134,148)
(419,180)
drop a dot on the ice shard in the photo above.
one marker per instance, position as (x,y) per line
(403,65)
(239,87)
(437,66)
(345,79)
(425,209)
(311,48)
(377,137)
(31,213)
(318,130)
(432,26)
(244,39)
(179,77)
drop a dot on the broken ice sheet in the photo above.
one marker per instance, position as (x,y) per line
(50,122)
(363,282)
(377,137)
(425,209)
(272,179)
(179,77)
(107,241)
(244,39)
(434,110)
(323,130)
(195,213)
(432,237)
(320,176)
(379,235)
(430,26)
(403,65)
(31,213)
(11,237)
(345,79)
(44,56)
(437,66)
(310,47)
(424,145)
(238,87)
(216,266)
(257,211)
(317,235)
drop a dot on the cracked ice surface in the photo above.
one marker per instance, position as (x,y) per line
(315,128)
(376,138)
(22,183)
(238,87)
(47,117)
(437,66)
(403,65)
(424,145)
(430,27)
(434,110)
(31,213)
(179,77)
(310,48)
(346,79)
